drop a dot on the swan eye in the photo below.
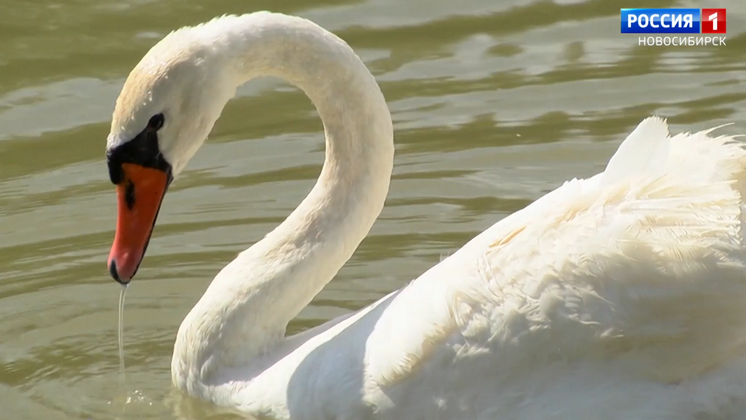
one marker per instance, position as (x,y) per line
(156,122)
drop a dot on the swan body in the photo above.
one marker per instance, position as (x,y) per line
(622,296)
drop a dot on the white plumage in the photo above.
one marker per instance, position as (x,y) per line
(622,296)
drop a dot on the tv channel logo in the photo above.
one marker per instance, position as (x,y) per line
(673,21)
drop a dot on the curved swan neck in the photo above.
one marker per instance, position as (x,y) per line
(247,307)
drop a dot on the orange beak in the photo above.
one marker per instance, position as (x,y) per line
(139,197)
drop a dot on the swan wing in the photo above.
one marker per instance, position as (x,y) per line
(642,264)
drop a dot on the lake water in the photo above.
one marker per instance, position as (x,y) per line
(495,103)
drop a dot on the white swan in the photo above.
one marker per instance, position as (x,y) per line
(622,296)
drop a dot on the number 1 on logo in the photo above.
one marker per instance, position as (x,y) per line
(714,21)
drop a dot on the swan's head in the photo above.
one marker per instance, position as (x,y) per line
(164,112)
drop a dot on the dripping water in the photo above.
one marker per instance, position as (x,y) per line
(120,335)
(125,398)
(122,397)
